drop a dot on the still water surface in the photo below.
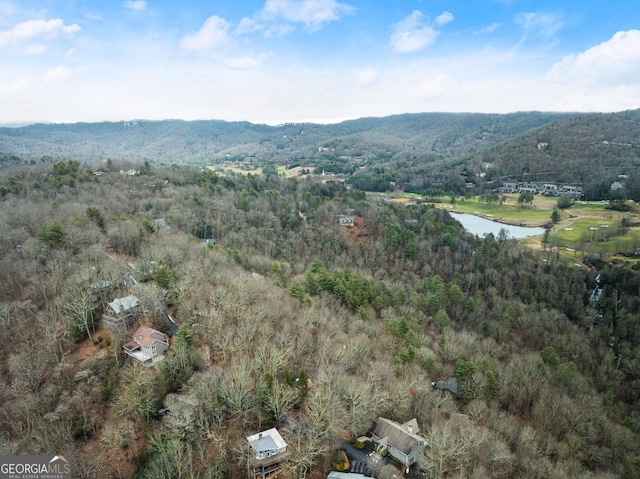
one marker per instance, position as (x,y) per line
(482,227)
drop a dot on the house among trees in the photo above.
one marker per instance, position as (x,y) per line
(345,220)
(616,185)
(401,441)
(147,346)
(179,409)
(270,453)
(123,310)
(160,223)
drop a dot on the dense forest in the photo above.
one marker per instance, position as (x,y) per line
(291,320)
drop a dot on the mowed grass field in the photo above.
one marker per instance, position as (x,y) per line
(538,214)
(282,170)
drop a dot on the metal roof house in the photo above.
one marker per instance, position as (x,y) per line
(270,452)
(401,441)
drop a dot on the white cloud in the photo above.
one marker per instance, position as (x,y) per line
(277,16)
(243,62)
(55,74)
(366,76)
(412,33)
(614,62)
(93,16)
(488,29)
(542,24)
(212,35)
(444,18)
(37,29)
(11,89)
(35,49)
(137,5)
(248,25)
(431,86)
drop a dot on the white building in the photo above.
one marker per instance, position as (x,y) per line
(270,452)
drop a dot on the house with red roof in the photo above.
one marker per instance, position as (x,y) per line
(147,345)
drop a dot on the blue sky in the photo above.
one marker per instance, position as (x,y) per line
(276,61)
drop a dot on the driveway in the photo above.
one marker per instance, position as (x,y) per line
(359,460)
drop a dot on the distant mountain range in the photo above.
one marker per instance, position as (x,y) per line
(446,134)
(529,143)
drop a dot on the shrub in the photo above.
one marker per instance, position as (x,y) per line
(339,461)
(298,291)
(550,357)
(564,202)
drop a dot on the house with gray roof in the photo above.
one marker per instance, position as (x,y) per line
(401,441)
(160,223)
(122,306)
(270,453)
(509,188)
(123,311)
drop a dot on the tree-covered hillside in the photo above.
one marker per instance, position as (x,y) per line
(433,154)
(292,321)
(199,142)
(590,150)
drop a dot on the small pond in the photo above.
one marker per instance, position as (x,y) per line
(482,227)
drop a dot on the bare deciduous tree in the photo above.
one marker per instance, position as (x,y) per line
(81,307)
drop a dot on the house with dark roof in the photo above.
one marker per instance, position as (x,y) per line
(270,453)
(147,345)
(401,441)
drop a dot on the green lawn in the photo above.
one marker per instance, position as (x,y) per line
(585,230)
(509,212)
(257,171)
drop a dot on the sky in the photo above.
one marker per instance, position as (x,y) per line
(323,61)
